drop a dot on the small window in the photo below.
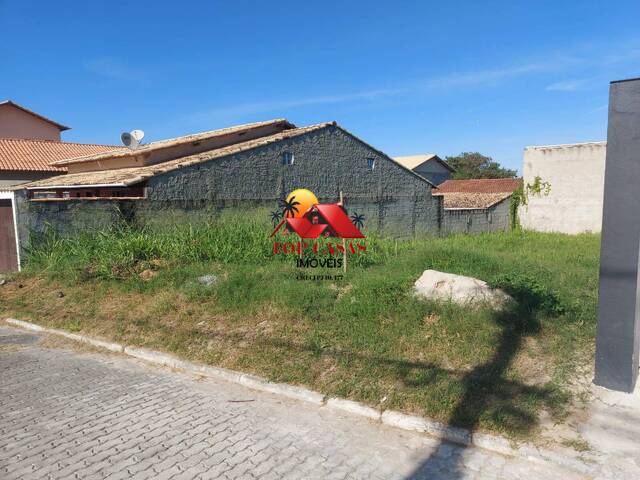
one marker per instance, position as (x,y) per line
(287,158)
(41,195)
(371,163)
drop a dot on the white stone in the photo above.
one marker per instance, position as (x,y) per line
(435,285)
(208,280)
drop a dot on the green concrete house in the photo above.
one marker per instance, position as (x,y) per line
(190,178)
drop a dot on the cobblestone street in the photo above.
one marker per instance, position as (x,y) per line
(77,414)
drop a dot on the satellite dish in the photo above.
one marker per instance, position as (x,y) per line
(138,135)
(132,140)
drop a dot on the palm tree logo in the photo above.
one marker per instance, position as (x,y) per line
(289,207)
(358,220)
(276,215)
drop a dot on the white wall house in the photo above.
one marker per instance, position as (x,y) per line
(576,175)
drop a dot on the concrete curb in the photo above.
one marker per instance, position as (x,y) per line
(290,391)
(152,356)
(114,347)
(26,325)
(566,459)
(355,408)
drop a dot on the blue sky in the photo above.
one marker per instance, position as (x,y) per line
(407,77)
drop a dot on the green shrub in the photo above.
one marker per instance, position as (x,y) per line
(530,294)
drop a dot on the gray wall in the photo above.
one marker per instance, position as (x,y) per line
(66,217)
(475,221)
(433,171)
(393,200)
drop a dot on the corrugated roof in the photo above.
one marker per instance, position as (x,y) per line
(172,142)
(414,161)
(30,112)
(480,185)
(472,201)
(599,143)
(133,175)
(36,155)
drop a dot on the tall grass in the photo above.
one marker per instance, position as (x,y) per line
(232,238)
(123,249)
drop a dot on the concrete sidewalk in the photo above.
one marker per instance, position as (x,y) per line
(66,413)
(612,428)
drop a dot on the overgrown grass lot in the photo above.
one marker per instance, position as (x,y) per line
(366,337)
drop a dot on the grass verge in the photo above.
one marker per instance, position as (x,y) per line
(365,337)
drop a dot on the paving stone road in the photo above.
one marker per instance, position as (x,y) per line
(66,414)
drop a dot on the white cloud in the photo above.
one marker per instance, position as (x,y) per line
(456,80)
(275,105)
(589,56)
(113,68)
(493,76)
(566,86)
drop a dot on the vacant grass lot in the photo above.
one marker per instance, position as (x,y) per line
(366,337)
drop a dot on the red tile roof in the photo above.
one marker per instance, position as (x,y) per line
(332,213)
(35,155)
(336,217)
(304,228)
(481,185)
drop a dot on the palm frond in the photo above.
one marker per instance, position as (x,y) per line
(358,220)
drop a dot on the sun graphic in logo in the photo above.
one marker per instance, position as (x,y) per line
(298,202)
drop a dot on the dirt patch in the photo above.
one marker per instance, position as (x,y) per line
(531,363)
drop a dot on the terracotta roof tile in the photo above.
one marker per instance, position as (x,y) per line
(171,142)
(35,155)
(472,201)
(133,175)
(482,185)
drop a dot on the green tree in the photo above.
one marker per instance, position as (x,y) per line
(476,165)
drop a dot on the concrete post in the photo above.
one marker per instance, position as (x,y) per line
(618,337)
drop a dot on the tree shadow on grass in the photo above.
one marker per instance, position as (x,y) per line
(488,395)
(486,391)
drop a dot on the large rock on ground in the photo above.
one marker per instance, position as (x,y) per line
(435,285)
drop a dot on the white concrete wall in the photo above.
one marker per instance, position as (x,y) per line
(576,175)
